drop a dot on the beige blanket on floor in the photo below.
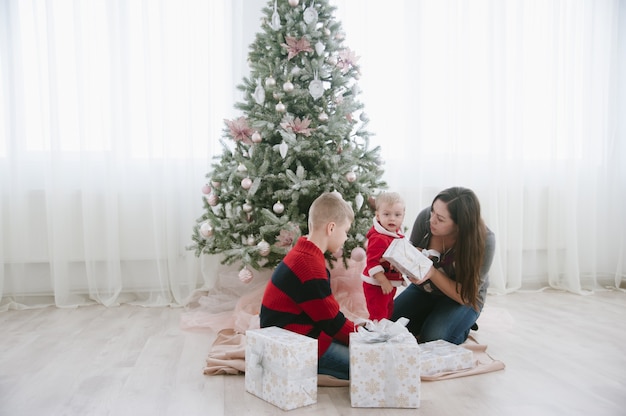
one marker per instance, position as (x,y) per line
(483,363)
(227,356)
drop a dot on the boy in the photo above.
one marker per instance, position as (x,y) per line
(380,281)
(298,296)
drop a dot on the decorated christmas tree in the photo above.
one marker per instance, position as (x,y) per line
(302,132)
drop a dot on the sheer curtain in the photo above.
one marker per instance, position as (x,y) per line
(110,112)
(523,102)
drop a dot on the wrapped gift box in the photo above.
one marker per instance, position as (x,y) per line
(281,367)
(384,371)
(407,259)
(441,356)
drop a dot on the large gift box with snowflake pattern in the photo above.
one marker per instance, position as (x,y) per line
(281,367)
(384,370)
(441,357)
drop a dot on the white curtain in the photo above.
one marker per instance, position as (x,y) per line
(111,110)
(523,101)
(110,113)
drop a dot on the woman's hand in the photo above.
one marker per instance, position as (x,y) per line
(448,286)
(424,278)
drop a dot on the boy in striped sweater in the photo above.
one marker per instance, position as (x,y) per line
(298,296)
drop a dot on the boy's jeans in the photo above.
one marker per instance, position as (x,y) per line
(335,361)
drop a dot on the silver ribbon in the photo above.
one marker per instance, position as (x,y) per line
(384,331)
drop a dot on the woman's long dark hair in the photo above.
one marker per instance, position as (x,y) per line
(464,209)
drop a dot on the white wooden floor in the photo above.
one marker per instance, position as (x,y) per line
(565,355)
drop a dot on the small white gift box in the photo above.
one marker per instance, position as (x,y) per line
(384,367)
(439,357)
(281,367)
(407,259)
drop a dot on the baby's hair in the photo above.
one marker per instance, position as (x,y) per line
(388,198)
(329,207)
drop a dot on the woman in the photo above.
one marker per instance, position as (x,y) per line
(447,303)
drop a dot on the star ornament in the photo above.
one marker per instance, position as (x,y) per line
(295,46)
(297,126)
(239,130)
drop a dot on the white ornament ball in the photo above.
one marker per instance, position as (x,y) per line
(280,107)
(294,3)
(358,254)
(247,207)
(323,117)
(246,183)
(215,184)
(364,118)
(264,248)
(242,168)
(256,137)
(213,200)
(245,275)
(206,230)
(206,189)
(270,81)
(250,241)
(351,176)
(288,86)
(278,208)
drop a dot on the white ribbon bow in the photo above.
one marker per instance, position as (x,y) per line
(432,253)
(384,331)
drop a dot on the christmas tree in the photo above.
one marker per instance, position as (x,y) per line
(302,133)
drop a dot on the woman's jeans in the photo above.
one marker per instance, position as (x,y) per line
(335,361)
(433,317)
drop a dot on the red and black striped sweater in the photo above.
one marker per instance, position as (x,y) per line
(298,298)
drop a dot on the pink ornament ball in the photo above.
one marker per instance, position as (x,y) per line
(294,3)
(206,230)
(351,176)
(206,189)
(213,200)
(371,201)
(264,248)
(358,254)
(245,275)
(246,183)
(256,137)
